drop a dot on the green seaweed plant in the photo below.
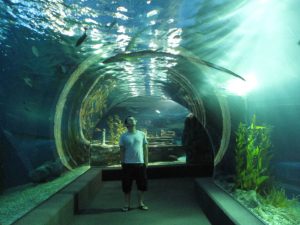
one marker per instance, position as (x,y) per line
(284,208)
(1,166)
(277,197)
(116,128)
(252,156)
(1,178)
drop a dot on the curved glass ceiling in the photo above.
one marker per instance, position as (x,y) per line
(72,61)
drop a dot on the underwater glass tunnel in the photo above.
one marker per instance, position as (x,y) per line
(211,82)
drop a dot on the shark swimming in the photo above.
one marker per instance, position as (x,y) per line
(150,53)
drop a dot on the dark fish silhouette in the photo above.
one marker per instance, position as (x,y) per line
(8,2)
(111,24)
(82,38)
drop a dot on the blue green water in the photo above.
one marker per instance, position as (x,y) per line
(67,65)
(57,80)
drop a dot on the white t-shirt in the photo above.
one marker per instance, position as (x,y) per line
(133,144)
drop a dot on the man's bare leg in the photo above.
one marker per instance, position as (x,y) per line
(126,201)
(141,200)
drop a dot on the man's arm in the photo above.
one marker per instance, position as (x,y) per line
(122,153)
(145,150)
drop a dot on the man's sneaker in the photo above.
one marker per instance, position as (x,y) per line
(125,208)
(143,207)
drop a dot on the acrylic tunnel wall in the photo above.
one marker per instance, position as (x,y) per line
(222,76)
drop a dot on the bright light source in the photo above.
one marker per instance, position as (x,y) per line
(240,87)
(157,111)
(263,1)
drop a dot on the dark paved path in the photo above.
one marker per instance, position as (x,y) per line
(170,202)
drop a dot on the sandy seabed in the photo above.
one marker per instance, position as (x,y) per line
(267,213)
(16,202)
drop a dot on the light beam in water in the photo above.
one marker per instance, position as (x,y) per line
(240,87)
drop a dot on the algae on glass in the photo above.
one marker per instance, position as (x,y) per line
(116,128)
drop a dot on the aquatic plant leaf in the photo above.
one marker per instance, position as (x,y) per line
(116,128)
(252,156)
(277,197)
(260,180)
(256,151)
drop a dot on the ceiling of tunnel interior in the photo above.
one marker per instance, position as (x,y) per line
(149,107)
(223,33)
(148,46)
(183,50)
(152,113)
(178,28)
(144,102)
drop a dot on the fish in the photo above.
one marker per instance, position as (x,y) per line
(150,53)
(82,38)
(170,32)
(21,143)
(28,81)
(35,51)
(111,25)
(63,69)
(8,2)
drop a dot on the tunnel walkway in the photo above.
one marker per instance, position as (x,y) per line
(170,202)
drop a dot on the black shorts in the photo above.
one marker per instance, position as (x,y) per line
(135,172)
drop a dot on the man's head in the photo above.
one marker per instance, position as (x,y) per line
(130,121)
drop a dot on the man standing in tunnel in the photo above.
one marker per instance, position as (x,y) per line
(134,159)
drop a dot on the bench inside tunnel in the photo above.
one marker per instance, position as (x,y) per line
(162,171)
(62,208)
